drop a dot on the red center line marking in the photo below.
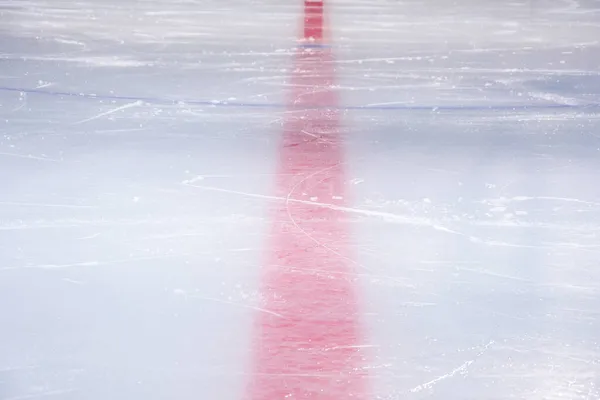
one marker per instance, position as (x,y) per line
(307,342)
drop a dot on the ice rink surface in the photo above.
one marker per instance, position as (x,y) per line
(140,150)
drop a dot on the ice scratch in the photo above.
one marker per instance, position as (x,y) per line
(19,204)
(198,178)
(73,281)
(384,215)
(504,200)
(358,346)
(11,369)
(95,235)
(94,263)
(114,110)
(431,383)
(29,157)
(237,305)
(461,369)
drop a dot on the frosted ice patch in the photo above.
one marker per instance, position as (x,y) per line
(555,98)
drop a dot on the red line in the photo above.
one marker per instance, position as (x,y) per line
(307,340)
(313,20)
